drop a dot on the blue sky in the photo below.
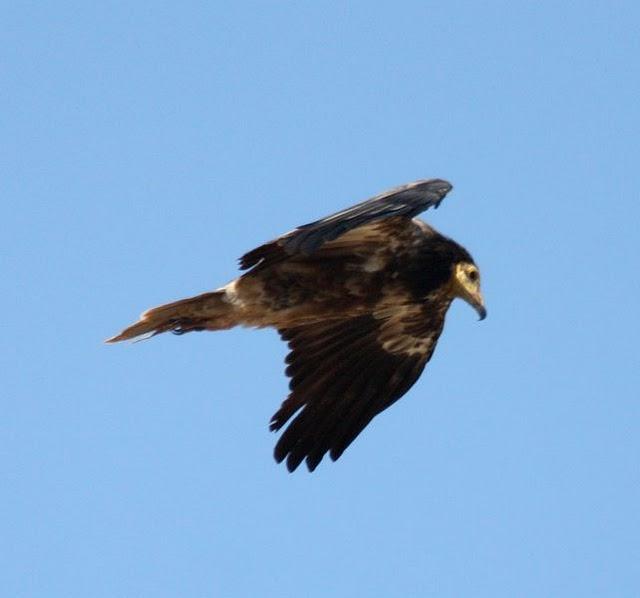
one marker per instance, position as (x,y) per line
(147,146)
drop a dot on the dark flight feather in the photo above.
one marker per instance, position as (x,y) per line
(405,201)
(342,377)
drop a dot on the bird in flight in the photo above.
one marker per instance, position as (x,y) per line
(360,297)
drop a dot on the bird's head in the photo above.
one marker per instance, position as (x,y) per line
(465,283)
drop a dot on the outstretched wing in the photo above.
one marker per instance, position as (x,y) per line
(405,201)
(343,373)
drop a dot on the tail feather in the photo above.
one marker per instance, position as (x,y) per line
(208,311)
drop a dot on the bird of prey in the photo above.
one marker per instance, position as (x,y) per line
(360,296)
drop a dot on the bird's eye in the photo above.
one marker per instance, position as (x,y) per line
(473,275)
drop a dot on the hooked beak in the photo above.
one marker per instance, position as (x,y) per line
(476,301)
(481,309)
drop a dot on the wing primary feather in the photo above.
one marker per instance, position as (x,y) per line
(377,381)
(316,418)
(305,384)
(313,409)
(342,377)
(403,202)
(403,378)
(326,434)
(406,200)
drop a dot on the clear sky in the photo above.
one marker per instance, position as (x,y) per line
(146,146)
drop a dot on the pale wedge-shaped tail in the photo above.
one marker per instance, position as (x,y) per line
(209,311)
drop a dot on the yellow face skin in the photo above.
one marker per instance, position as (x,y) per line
(465,284)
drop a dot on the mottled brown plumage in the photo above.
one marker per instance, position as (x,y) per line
(360,297)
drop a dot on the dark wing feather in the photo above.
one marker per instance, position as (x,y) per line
(405,201)
(343,373)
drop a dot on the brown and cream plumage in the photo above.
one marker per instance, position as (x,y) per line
(360,296)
